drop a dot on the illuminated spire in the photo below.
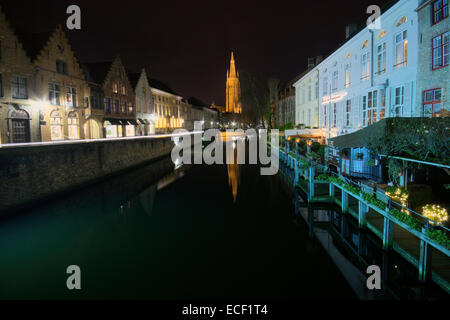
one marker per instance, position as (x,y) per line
(232,66)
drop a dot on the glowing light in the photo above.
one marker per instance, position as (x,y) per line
(334,97)
(435,213)
(400,195)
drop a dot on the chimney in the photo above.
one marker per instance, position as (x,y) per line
(319,59)
(350,30)
(311,63)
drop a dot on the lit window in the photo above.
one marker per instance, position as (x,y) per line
(441,47)
(382,110)
(440,10)
(72,125)
(365,66)
(71,97)
(381,34)
(401,21)
(432,103)
(372,107)
(381,58)
(55,126)
(401,49)
(348,75)
(115,87)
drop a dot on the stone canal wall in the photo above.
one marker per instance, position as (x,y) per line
(33,172)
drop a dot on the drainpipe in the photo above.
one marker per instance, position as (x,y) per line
(371,57)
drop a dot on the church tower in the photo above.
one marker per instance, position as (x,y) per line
(233,89)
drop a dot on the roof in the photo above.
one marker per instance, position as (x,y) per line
(98,71)
(156,84)
(361,137)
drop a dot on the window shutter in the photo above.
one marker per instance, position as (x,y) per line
(392,104)
(407,107)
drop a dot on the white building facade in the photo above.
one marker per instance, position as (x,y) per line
(370,77)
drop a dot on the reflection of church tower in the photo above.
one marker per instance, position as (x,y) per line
(233,89)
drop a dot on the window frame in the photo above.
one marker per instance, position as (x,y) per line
(19,87)
(381,54)
(441,8)
(433,102)
(441,48)
(404,49)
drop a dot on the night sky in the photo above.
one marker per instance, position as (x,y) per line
(188,43)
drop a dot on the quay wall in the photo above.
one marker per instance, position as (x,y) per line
(34,172)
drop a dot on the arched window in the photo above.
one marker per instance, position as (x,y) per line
(56,126)
(401,21)
(73,125)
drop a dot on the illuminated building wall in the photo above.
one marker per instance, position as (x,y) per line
(19,111)
(233,89)
(372,76)
(168,110)
(145,113)
(307,101)
(433,83)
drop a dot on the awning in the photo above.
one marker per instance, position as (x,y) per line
(361,137)
(130,122)
(114,122)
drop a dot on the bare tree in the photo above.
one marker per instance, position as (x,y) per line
(258,98)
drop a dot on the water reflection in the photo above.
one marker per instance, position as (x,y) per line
(353,249)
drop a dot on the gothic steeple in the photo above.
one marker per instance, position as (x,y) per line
(233,89)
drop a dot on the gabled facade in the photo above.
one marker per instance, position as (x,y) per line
(119,98)
(373,75)
(144,103)
(60,87)
(19,112)
(433,83)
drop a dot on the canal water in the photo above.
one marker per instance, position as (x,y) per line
(196,232)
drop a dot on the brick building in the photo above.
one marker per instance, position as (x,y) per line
(119,98)
(19,112)
(433,79)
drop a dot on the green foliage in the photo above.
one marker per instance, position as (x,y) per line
(439,237)
(336,180)
(417,138)
(288,126)
(374,201)
(406,218)
(394,169)
(352,189)
(323,177)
